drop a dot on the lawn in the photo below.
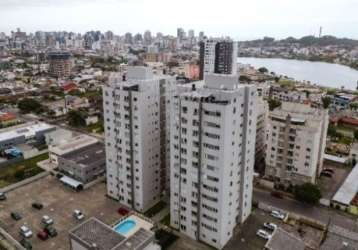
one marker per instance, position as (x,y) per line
(19,171)
(95,127)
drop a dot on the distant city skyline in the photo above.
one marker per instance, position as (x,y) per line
(239,19)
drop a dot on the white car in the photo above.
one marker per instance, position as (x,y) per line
(271,226)
(263,234)
(47,220)
(278,215)
(77,214)
(25,231)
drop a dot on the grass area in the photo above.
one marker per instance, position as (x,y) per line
(95,127)
(155,209)
(166,220)
(19,171)
(287,83)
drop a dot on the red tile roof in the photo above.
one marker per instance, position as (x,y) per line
(7,117)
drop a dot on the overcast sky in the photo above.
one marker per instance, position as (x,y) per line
(240,19)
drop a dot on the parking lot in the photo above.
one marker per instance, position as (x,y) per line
(330,185)
(246,238)
(59,203)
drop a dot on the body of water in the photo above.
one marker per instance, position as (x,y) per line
(321,73)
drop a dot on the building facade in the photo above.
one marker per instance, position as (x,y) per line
(217,56)
(60,64)
(137,134)
(260,148)
(212,156)
(296,139)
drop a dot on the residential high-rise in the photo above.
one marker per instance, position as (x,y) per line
(217,56)
(147,37)
(60,64)
(137,136)
(213,131)
(262,117)
(296,139)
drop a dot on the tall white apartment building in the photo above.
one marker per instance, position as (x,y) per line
(218,56)
(262,117)
(213,131)
(137,136)
(296,139)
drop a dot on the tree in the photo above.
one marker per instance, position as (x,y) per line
(356,134)
(263,70)
(307,193)
(326,101)
(274,104)
(332,131)
(76,118)
(28,105)
(244,78)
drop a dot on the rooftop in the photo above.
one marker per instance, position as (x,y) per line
(340,239)
(87,155)
(28,130)
(281,239)
(93,232)
(73,144)
(349,188)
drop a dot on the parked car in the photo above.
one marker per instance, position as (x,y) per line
(25,231)
(42,235)
(123,211)
(46,220)
(277,194)
(37,205)
(2,196)
(330,170)
(26,244)
(15,216)
(271,226)
(263,234)
(326,174)
(78,215)
(52,232)
(278,215)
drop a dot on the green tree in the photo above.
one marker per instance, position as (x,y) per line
(76,118)
(28,105)
(307,193)
(326,101)
(274,104)
(356,134)
(263,70)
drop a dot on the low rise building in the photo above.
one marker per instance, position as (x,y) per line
(96,235)
(85,164)
(32,132)
(346,197)
(296,139)
(71,144)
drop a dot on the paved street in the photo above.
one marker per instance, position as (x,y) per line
(319,213)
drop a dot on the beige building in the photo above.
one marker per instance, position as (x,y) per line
(296,139)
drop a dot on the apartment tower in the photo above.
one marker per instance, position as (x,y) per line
(217,56)
(213,130)
(137,136)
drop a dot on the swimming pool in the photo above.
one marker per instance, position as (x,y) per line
(125,226)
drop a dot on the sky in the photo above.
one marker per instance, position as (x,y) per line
(240,19)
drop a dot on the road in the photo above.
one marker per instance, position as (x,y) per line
(319,213)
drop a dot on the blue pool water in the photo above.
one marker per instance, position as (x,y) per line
(125,226)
